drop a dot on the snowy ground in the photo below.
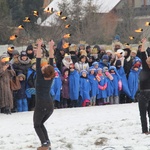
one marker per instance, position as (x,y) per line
(90,128)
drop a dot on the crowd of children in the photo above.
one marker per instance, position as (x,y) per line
(84,76)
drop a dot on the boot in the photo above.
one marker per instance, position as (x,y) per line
(7,110)
(44,148)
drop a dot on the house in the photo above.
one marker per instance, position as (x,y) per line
(141,10)
(104,6)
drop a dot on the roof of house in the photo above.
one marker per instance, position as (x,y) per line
(104,6)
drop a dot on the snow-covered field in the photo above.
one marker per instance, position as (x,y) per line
(111,127)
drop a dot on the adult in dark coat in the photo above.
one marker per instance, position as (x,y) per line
(23,63)
(144,97)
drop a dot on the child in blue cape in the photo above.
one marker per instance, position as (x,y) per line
(121,72)
(109,78)
(94,85)
(73,85)
(85,88)
(116,85)
(133,79)
(56,88)
(102,86)
(95,65)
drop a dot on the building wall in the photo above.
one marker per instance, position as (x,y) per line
(46,3)
(135,3)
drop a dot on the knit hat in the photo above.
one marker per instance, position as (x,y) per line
(137,62)
(15,52)
(73,48)
(106,57)
(109,51)
(134,51)
(99,69)
(30,47)
(67,56)
(105,69)
(95,63)
(83,71)
(87,47)
(83,52)
(21,75)
(23,53)
(118,63)
(92,68)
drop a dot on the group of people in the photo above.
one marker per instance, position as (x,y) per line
(84,75)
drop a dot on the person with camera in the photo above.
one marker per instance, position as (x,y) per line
(6,73)
(144,96)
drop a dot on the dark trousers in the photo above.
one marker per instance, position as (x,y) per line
(42,112)
(144,108)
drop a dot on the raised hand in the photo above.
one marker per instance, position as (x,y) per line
(51,43)
(51,49)
(39,42)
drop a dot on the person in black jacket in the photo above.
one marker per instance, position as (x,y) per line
(44,103)
(144,96)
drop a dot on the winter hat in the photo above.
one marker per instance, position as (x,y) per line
(83,71)
(15,52)
(83,52)
(134,51)
(67,56)
(99,69)
(23,53)
(105,69)
(82,45)
(137,62)
(106,57)
(95,63)
(21,75)
(118,63)
(73,48)
(92,68)
(128,51)
(109,51)
(30,47)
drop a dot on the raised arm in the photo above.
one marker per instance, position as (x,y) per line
(39,42)
(143,48)
(51,52)
(51,49)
